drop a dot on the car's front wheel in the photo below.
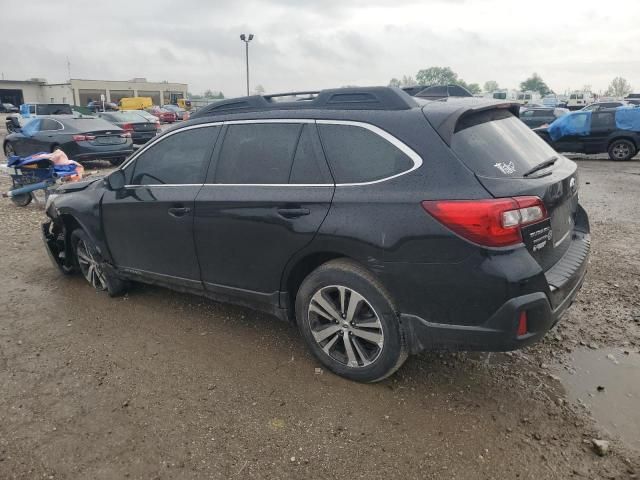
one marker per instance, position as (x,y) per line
(348,321)
(90,265)
(622,150)
(9,150)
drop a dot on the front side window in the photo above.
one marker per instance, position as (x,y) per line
(358,155)
(180,158)
(258,153)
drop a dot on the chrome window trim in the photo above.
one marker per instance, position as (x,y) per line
(404,148)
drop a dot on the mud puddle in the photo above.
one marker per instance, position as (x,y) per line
(607,383)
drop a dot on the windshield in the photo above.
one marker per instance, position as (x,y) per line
(497,144)
(54,109)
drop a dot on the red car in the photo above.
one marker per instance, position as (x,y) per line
(164,115)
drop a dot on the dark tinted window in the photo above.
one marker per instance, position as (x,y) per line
(178,159)
(309,165)
(603,120)
(357,155)
(258,153)
(497,144)
(48,124)
(54,109)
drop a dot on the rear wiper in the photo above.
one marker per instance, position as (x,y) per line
(540,166)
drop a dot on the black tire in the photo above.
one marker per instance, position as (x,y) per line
(22,200)
(8,149)
(88,262)
(622,150)
(374,303)
(117,161)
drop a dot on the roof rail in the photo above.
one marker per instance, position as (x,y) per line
(351,98)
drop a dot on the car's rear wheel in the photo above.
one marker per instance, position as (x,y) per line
(91,266)
(348,321)
(621,150)
(22,200)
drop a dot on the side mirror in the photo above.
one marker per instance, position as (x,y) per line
(116,180)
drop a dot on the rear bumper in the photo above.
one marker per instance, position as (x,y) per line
(499,332)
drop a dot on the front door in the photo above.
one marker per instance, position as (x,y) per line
(264,201)
(149,224)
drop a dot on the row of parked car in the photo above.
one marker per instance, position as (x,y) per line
(165,113)
(108,135)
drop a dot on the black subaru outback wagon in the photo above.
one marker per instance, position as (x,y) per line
(381,224)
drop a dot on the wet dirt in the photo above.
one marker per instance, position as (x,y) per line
(158,384)
(607,383)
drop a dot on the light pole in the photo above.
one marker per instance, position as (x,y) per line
(246,39)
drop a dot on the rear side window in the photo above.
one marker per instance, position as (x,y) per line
(603,120)
(358,155)
(180,158)
(48,124)
(258,153)
(494,143)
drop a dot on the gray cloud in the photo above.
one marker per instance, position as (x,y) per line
(302,44)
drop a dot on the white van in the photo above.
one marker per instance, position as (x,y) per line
(525,98)
(580,99)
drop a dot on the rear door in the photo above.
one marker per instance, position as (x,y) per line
(501,150)
(603,123)
(265,199)
(149,224)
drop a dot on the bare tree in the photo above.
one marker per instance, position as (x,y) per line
(619,87)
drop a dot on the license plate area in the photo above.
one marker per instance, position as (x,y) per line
(109,140)
(538,237)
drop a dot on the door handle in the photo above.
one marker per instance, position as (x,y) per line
(179,211)
(293,212)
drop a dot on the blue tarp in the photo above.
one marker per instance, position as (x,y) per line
(628,118)
(58,170)
(579,123)
(575,123)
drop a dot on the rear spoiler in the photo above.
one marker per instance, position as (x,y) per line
(444,116)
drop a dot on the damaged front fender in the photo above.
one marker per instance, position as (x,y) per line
(55,238)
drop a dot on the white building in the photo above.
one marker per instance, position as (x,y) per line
(80,92)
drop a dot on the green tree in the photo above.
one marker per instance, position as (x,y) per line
(394,82)
(619,87)
(491,86)
(437,76)
(258,90)
(535,84)
(474,88)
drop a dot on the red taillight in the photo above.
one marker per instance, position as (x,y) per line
(522,324)
(83,138)
(492,222)
(127,127)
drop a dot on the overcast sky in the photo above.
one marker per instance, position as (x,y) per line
(312,44)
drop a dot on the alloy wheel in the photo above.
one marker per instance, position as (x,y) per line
(621,150)
(89,266)
(345,326)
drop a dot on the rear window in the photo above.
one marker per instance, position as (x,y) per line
(496,144)
(90,124)
(122,117)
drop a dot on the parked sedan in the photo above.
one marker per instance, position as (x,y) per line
(162,114)
(536,117)
(86,138)
(98,106)
(141,129)
(8,108)
(181,113)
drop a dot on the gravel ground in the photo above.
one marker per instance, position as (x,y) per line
(161,385)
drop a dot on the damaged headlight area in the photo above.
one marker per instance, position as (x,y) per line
(55,239)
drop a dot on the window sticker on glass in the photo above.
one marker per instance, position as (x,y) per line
(506,168)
